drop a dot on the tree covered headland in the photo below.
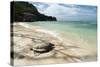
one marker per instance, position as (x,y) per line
(25,12)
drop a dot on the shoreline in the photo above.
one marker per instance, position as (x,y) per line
(69,48)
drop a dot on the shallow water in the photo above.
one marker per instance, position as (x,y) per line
(84,30)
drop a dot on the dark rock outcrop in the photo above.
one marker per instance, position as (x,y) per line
(26,12)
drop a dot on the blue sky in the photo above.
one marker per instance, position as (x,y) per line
(68,12)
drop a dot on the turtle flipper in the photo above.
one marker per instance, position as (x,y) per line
(36,54)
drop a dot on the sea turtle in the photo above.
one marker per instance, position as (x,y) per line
(41,46)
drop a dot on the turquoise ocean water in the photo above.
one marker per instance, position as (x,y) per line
(86,30)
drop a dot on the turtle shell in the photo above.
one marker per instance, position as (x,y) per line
(42,46)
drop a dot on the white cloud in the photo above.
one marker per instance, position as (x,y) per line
(56,9)
(66,13)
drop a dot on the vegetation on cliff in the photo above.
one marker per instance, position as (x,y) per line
(26,12)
